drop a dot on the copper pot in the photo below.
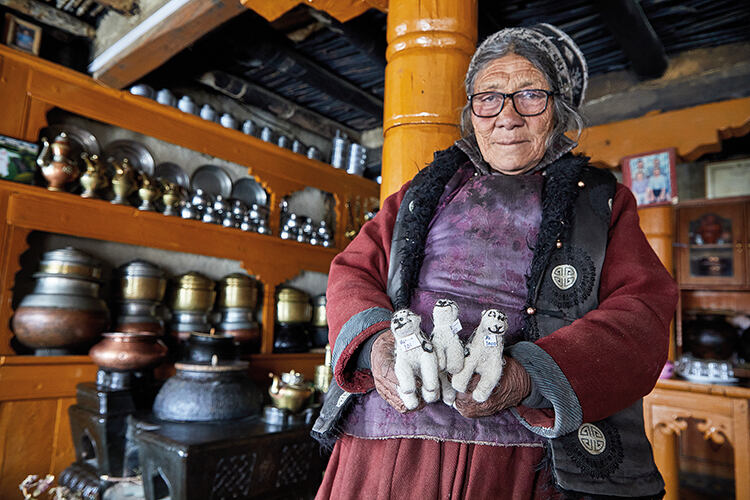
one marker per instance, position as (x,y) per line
(125,351)
(58,328)
(237,290)
(193,292)
(293,306)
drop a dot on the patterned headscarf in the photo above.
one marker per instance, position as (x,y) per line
(570,64)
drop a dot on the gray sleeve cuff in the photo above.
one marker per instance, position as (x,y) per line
(535,399)
(356,325)
(551,384)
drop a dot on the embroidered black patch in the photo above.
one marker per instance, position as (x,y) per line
(584,275)
(603,464)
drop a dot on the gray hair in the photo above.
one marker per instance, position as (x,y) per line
(565,115)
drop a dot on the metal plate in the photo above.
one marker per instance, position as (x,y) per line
(249,191)
(83,139)
(212,180)
(137,154)
(171,172)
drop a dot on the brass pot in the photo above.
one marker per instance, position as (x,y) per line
(70,261)
(237,290)
(125,351)
(293,306)
(319,311)
(142,280)
(193,292)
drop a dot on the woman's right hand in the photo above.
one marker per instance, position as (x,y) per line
(382,363)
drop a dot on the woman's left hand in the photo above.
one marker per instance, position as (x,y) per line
(513,387)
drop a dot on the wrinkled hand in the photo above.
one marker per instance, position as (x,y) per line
(513,388)
(382,363)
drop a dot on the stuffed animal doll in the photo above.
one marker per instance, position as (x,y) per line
(448,347)
(414,356)
(485,356)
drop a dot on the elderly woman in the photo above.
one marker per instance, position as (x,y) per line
(507,218)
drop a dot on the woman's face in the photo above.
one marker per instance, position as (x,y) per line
(511,143)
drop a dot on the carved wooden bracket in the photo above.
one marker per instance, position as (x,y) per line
(716,433)
(674,426)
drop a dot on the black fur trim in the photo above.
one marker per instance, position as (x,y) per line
(421,201)
(558,199)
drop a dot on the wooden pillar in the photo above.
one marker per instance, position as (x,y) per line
(430,44)
(657,224)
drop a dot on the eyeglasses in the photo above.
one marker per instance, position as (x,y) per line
(528,102)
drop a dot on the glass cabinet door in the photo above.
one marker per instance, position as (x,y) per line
(711,242)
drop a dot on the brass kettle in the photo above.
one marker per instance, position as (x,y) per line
(290,391)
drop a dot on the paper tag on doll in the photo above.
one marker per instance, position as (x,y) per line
(490,340)
(456,326)
(408,343)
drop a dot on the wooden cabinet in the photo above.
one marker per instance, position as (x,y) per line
(36,392)
(712,244)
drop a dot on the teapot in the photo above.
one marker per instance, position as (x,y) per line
(93,178)
(123,182)
(290,392)
(55,161)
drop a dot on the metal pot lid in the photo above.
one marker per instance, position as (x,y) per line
(70,260)
(220,366)
(236,280)
(66,276)
(194,280)
(140,267)
(289,294)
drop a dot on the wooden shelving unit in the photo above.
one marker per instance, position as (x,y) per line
(35,392)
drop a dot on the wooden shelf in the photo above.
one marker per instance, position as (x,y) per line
(35,392)
(36,208)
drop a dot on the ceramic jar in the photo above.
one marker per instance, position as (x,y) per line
(128,351)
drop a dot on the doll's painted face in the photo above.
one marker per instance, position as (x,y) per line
(510,143)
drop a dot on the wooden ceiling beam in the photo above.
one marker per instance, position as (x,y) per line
(260,97)
(52,16)
(343,10)
(170,29)
(635,35)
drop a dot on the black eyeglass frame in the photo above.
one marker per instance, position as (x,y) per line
(548,93)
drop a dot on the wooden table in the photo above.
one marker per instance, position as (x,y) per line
(721,413)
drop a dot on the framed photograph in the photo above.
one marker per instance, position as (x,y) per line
(652,177)
(728,178)
(22,35)
(17,160)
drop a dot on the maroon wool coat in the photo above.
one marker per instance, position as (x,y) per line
(612,356)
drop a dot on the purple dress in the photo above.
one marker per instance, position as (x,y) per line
(477,252)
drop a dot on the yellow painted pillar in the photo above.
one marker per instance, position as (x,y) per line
(430,44)
(657,224)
